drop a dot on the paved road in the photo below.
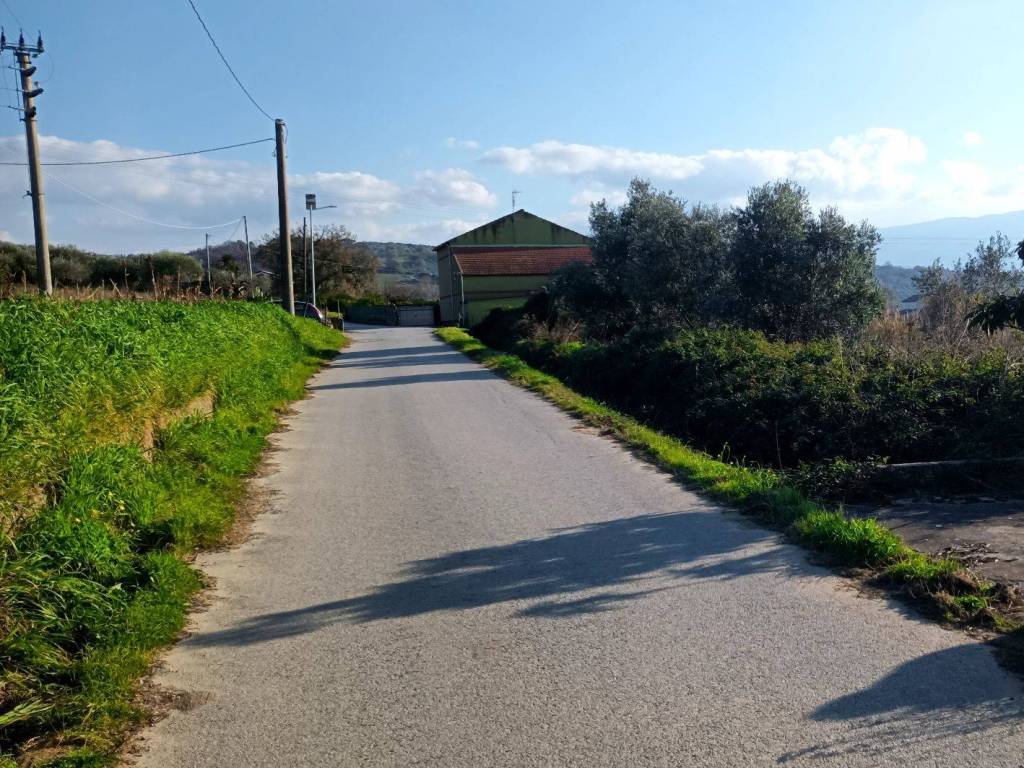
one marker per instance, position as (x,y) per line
(458,575)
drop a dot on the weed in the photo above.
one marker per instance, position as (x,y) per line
(93,577)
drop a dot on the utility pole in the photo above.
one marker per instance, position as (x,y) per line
(284,231)
(312,206)
(29,92)
(248,249)
(209,273)
(305,263)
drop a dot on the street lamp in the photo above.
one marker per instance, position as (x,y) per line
(311,206)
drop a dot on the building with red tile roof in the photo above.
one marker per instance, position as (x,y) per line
(501,263)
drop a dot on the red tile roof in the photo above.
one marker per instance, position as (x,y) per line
(519,261)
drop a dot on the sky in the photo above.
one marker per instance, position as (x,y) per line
(419,119)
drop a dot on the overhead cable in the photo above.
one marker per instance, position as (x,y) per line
(224,59)
(150,157)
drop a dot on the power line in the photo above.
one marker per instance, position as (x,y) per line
(11,11)
(87,196)
(152,157)
(348,201)
(15,101)
(222,58)
(231,237)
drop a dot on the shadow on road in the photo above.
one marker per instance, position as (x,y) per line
(426,349)
(924,701)
(606,566)
(623,554)
(403,361)
(404,357)
(415,378)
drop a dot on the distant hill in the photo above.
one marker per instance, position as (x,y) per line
(920,244)
(234,248)
(898,281)
(407,260)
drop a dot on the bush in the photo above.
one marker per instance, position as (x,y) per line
(735,392)
(501,328)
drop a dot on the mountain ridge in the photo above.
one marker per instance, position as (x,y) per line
(947,239)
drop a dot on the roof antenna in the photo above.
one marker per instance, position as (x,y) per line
(514,193)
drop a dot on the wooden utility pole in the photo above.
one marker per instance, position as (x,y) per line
(209,272)
(29,92)
(284,230)
(248,249)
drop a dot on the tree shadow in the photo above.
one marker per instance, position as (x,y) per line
(415,378)
(953,692)
(391,352)
(404,357)
(401,361)
(574,571)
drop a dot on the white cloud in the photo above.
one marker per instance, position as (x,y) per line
(561,159)
(876,158)
(593,193)
(883,174)
(452,143)
(430,232)
(454,186)
(348,186)
(972,139)
(198,191)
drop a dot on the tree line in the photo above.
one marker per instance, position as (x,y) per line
(771,265)
(343,267)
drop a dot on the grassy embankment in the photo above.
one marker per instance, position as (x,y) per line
(939,586)
(96,528)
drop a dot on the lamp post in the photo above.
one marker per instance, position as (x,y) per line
(312,206)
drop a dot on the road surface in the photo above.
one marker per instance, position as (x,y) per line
(457,574)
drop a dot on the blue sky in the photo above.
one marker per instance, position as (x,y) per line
(418,119)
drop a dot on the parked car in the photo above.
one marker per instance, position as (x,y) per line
(306,309)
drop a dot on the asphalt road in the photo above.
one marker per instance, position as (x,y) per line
(457,574)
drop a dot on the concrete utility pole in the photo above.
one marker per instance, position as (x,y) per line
(248,249)
(285,235)
(29,92)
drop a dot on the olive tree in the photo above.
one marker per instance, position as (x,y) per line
(799,275)
(658,264)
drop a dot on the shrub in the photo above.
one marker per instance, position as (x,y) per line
(780,403)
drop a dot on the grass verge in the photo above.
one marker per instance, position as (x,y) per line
(96,532)
(940,587)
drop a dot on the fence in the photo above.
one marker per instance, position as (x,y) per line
(392,314)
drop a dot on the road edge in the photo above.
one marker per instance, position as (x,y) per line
(940,589)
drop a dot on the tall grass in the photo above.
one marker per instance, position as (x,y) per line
(93,573)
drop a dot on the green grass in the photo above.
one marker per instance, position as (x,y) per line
(940,586)
(96,534)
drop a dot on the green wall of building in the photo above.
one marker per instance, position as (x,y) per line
(477,305)
(519,228)
(484,293)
